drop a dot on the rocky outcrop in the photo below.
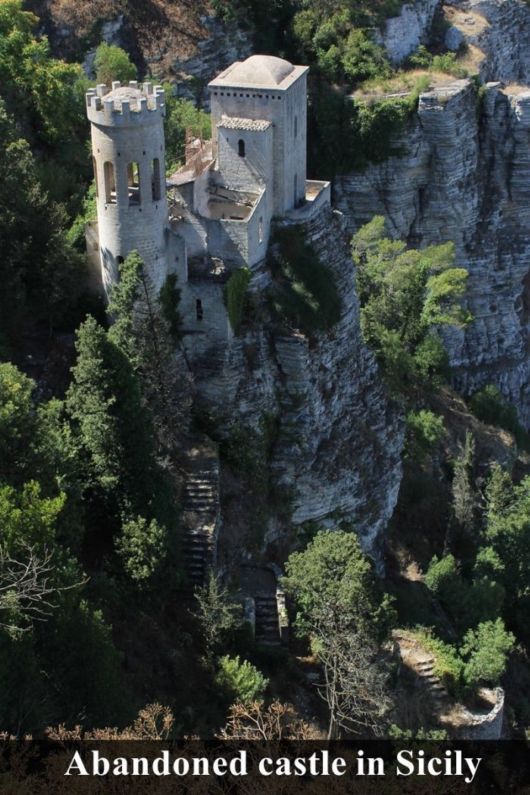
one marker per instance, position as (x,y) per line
(338,438)
(403,34)
(501,30)
(223,44)
(465,176)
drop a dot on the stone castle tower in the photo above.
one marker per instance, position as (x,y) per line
(129,168)
(214,214)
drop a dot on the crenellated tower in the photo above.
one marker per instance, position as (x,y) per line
(129,167)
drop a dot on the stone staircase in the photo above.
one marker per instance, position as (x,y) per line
(422,663)
(267,624)
(437,691)
(200,512)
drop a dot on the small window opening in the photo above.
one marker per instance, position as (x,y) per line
(260,230)
(119,259)
(295,188)
(241,148)
(295,126)
(155,180)
(110,182)
(198,309)
(94,166)
(133,182)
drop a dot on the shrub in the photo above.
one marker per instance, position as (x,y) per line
(488,405)
(424,431)
(448,667)
(487,649)
(236,296)
(113,63)
(142,548)
(305,294)
(240,680)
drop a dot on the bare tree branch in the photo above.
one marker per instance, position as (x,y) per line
(27,588)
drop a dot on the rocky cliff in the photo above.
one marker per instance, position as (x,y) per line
(338,439)
(465,176)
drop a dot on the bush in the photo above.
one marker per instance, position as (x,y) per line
(424,431)
(236,296)
(142,548)
(448,667)
(113,63)
(488,406)
(305,294)
(240,680)
(487,649)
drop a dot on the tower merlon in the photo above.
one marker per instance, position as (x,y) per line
(125,105)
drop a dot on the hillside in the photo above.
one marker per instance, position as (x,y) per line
(297,438)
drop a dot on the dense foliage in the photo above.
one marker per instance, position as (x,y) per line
(304,293)
(405,295)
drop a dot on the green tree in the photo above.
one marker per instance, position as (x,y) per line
(142,548)
(218,614)
(113,63)
(39,270)
(110,424)
(464,499)
(486,650)
(404,293)
(182,116)
(241,680)
(144,328)
(425,430)
(333,573)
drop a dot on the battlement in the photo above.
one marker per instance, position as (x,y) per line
(126,105)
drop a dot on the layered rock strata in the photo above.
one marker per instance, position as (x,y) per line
(465,176)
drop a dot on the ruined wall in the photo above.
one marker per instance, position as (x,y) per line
(465,176)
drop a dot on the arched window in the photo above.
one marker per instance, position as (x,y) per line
(198,309)
(295,126)
(241,148)
(133,182)
(95,167)
(155,180)
(110,182)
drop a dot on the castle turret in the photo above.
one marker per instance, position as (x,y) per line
(129,167)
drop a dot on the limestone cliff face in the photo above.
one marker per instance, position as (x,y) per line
(465,176)
(338,442)
(402,34)
(500,29)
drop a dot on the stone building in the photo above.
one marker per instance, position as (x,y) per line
(214,214)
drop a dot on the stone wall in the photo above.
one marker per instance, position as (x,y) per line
(480,726)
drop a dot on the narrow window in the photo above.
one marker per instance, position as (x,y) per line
(241,148)
(155,179)
(295,188)
(119,259)
(198,309)
(110,182)
(295,126)
(260,230)
(95,167)
(133,182)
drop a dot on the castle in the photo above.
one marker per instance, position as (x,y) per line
(214,214)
